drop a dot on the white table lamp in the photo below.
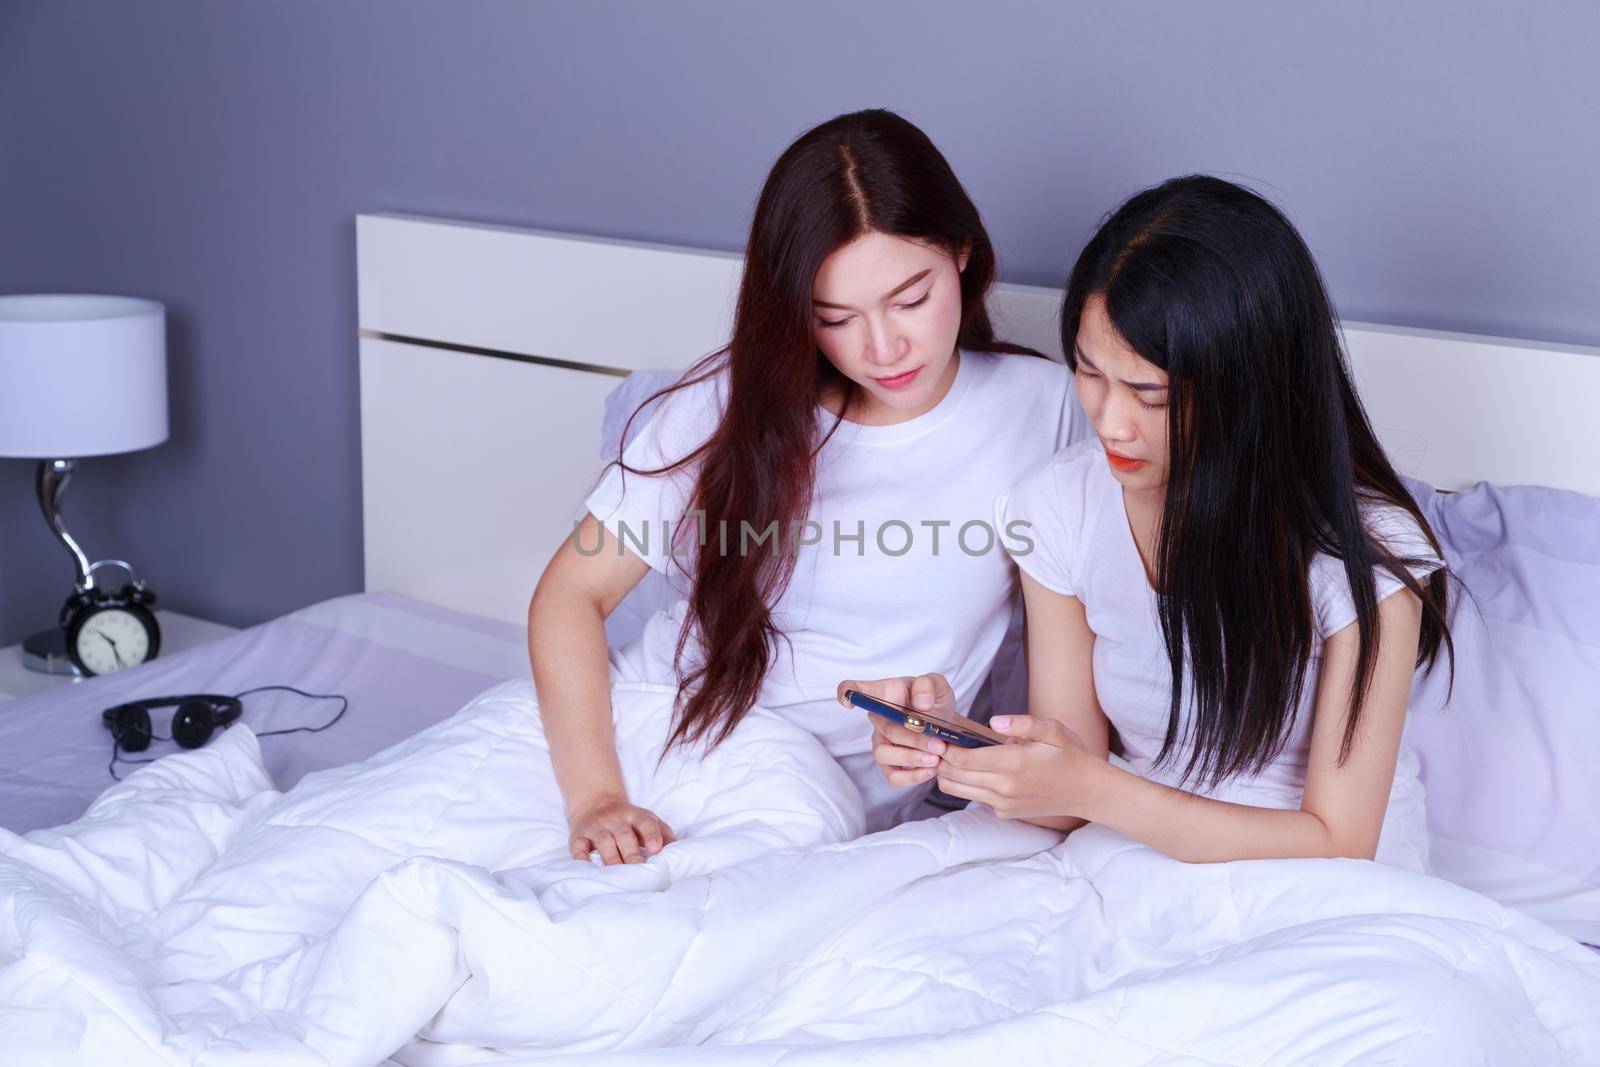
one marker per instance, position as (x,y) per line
(80,375)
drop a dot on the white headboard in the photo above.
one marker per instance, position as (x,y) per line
(487,352)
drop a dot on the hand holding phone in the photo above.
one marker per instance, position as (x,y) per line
(911,755)
(954,730)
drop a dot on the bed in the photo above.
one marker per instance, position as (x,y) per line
(414,661)
(495,368)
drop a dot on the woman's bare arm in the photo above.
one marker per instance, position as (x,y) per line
(571,674)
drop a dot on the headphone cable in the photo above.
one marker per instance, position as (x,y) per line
(344,706)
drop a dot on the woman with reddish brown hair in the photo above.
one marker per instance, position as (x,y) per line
(818,493)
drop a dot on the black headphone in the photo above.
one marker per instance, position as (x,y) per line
(199,715)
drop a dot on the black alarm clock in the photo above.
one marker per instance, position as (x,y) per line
(106,631)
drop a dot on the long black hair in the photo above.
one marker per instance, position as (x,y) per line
(1272,460)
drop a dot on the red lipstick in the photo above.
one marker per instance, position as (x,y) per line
(1124,463)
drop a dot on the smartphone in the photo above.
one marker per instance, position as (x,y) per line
(957,731)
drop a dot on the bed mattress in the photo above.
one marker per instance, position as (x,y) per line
(403,664)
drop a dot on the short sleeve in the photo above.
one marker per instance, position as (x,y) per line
(1397,530)
(1035,526)
(642,510)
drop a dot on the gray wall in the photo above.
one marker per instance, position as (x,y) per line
(1442,158)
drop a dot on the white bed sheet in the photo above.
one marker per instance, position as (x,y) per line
(404,665)
(420,905)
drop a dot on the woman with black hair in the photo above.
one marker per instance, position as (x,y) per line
(1229,578)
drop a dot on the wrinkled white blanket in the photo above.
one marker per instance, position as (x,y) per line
(420,905)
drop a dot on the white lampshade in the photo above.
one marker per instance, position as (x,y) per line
(81,375)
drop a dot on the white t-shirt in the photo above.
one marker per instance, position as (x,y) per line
(908,574)
(1084,548)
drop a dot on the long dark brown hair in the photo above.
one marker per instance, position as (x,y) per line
(865,172)
(1272,457)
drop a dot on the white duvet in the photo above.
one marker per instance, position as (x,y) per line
(421,906)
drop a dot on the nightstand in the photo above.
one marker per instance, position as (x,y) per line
(178,632)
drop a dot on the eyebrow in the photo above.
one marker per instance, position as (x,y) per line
(896,291)
(1143,387)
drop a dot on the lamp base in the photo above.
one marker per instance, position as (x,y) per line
(46,652)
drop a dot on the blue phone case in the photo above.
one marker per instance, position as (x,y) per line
(920,722)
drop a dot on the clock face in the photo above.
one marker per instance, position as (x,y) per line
(112,639)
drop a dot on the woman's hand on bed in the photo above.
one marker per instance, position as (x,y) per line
(1051,773)
(619,831)
(906,758)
